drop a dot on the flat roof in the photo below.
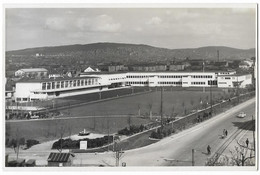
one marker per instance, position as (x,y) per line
(98,73)
(34,70)
(172,72)
(26,80)
(232,75)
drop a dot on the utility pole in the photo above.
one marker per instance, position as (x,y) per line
(203,73)
(237,90)
(161,107)
(253,132)
(211,96)
(118,156)
(192,160)
(218,54)
(107,134)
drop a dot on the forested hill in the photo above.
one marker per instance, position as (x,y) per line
(118,52)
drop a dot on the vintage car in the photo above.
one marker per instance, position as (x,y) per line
(241,115)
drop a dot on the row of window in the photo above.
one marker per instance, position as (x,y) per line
(228,78)
(201,76)
(117,78)
(137,76)
(139,82)
(170,76)
(21,99)
(198,83)
(170,82)
(70,83)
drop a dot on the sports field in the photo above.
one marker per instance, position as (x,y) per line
(104,117)
(173,102)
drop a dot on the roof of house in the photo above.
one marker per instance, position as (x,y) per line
(34,70)
(58,157)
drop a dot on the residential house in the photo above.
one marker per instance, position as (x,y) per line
(89,69)
(32,72)
(244,65)
(60,159)
(176,67)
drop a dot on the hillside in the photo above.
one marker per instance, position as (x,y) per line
(131,53)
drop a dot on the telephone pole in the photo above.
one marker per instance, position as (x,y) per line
(253,132)
(192,160)
(211,96)
(161,107)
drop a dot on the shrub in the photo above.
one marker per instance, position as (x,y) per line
(169,132)
(31,142)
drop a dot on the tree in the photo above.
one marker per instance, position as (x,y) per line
(139,110)
(150,105)
(240,156)
(61,131)
(15,143)
(129,121)
(183,106)
(192,103)
(172,114)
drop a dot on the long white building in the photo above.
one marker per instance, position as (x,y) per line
(183,79)
(28,90)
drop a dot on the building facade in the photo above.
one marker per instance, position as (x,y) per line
(34,72)
(233,81)
(29,90)
(182,79)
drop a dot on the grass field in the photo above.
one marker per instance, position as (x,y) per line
(173,101)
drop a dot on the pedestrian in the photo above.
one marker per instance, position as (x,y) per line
(209,149)
(226,132)
(247,142)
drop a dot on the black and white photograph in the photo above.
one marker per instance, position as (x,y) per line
(122,86)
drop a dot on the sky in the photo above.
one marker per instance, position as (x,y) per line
(160,27)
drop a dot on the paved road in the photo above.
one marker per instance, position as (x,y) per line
(179,146)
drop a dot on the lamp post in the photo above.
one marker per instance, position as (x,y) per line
(211,96)
(161,107)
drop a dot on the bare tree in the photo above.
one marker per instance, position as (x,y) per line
(129,120)
(239,157)
(150,105)
(139,109)
(183,107)
(70,129)
(61,132)
(17,142)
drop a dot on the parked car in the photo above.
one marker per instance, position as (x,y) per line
(241,115)
(34,117)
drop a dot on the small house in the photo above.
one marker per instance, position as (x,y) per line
(60,159)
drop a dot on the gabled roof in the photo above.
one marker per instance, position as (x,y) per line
(58,157)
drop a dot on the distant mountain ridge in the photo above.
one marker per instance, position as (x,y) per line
(119,52)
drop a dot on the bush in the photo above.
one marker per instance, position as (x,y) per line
(75,144)
(169,132)
(31,142)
